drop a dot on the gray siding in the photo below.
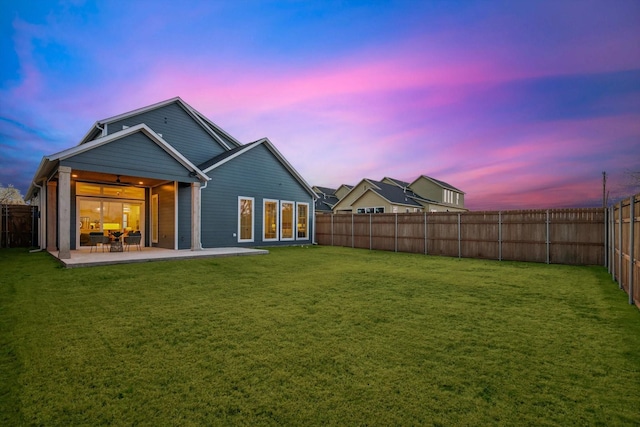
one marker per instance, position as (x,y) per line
(166,216)
(184,216)
(179,129)
(135,155)
(257,174)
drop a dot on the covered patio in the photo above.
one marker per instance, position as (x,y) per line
(85,258)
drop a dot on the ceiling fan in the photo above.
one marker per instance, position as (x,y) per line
(119,181)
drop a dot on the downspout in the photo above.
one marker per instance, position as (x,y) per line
(102,129)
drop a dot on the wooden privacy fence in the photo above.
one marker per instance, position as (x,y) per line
(19,226)
(559,236)
(623,246)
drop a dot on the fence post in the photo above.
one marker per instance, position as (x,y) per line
(606,238)
(620,245)
(353,244)
(548,237)
(396,243)
(631,243)
(425,233)
(499,235)
(370,238)
(332,229)
(612,241)
(459,237)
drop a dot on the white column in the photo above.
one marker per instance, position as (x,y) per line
(64,212)
(52,216)
(196,244)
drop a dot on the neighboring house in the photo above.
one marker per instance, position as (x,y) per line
(326,199)
(370,196)
(442,196)
(342,191)
(395,196)
(169,172)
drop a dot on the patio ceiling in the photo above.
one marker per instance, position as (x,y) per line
(114,179)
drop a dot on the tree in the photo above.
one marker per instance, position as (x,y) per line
(10,195)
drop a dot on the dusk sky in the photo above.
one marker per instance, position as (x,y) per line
(520,104)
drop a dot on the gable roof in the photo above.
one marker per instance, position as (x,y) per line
(394,194)
(220,136)
(326,203)
(398,182)
(325,190)
(223,158)
(438,182)
(47,164)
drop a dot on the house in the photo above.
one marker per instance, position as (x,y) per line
(441,195)
(391,195)
(370,196)
(326,199)
(170,173)
(342,191)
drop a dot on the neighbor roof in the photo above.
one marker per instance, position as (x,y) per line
(394,194)
(397,181)
(440,183)
(326,190)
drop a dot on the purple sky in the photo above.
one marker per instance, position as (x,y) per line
(520,104)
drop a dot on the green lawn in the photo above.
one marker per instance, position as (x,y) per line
(315,336)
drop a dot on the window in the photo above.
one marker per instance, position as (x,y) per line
(286,220)
(303,219)
(245,219)
(270,213)
(370,210)
(121,192)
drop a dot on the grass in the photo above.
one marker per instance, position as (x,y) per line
(315,336)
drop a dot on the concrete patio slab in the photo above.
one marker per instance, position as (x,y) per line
(84,258)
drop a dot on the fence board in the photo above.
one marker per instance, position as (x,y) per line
(18,226)
(567,236)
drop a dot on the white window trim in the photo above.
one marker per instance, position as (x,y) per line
(253,219)
(264,211)
(294,222)
(296,218)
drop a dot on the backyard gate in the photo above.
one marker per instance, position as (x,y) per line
(19,226)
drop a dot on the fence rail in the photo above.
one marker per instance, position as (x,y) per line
(19,226)
(623,246)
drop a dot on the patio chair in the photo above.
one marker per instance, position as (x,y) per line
(133,239)
(97,238)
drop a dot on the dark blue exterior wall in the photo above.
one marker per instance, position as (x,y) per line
(257,173)
(179,129)
(135,155)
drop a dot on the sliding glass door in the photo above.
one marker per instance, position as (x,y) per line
(108,215)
